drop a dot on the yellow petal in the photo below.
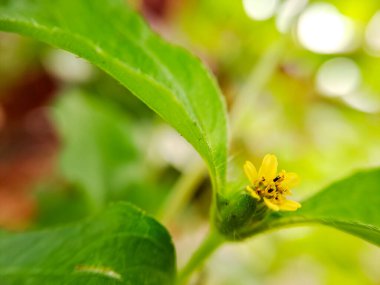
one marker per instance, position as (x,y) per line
(289,205)
(268,168)
(253,193)
(271,205)
(250,171)
(291,179)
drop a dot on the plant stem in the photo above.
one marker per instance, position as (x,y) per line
(182,191)
(212,241)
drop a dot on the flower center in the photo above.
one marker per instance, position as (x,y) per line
(271,189)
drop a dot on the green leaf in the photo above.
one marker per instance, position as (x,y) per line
(121,246)
(351,205)
(110,35)
(93,159)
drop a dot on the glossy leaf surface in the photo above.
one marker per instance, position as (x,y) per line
(120,246)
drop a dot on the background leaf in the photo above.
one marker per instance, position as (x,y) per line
(121,246)
(106,146)
(351,205)
(110,35)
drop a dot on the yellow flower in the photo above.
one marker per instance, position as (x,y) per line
(271,186)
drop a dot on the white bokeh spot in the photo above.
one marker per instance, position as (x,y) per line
(323,29)
(260,9)
(338,77)
(372,35)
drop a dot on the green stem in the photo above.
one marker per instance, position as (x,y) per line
(182,191)
(212,241)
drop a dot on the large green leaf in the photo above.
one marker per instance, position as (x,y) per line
(121,246)
(351,205)
(110,35)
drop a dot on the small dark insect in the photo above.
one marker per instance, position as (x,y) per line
(278,177)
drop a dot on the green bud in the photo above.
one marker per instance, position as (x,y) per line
(238,214)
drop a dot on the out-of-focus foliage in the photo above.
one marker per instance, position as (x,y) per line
(107,134)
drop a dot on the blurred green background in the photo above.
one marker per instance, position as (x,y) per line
(301,80)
